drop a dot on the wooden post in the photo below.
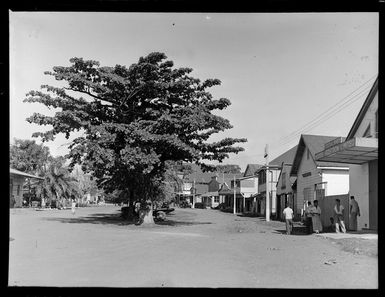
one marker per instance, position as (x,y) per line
(193,206)
(267,184)
(235,197)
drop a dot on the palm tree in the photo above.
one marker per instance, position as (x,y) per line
(58,185)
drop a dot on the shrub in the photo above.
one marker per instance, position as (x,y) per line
(199,205)
(227,209)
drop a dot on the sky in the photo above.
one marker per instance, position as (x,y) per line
(284,73)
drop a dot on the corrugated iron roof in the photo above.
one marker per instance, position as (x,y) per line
(315,144)
(21,173)
(286,157)
(251,169)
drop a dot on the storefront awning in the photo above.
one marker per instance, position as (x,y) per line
(357,150)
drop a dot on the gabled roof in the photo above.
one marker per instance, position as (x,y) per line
(315,144)
(286,158)
(224,187)
(292,179)
(251,169)
(364,109)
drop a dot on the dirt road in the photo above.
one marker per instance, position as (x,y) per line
(193,248)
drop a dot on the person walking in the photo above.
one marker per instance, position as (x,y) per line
(288,215)
(354,211)
(316,217)
(339,214)
(308,218)
(73,206)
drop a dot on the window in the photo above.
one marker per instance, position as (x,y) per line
(308,154)
(320,190)
(18,190)
(376,124)
(216,199)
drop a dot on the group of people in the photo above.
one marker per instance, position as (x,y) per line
(313,217)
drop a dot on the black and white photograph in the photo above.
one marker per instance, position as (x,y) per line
(193,149)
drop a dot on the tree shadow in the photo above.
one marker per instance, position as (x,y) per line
(297,230)
(180,223)
(249,215)
(117,219)
(100,218)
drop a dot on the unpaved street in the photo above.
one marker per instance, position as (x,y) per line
(193,248)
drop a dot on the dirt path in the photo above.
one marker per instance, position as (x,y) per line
(193,248)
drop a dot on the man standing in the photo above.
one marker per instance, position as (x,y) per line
(339,214)
(316,217)
(308,218)
(288,214)
(354,211)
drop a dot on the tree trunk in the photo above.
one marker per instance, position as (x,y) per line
(147,217)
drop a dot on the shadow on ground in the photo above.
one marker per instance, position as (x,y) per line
(296,231)
(100,218)
(116,219)
(181,223)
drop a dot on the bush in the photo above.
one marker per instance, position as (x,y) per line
(227,209)
(184,204)
(220,206)
(82,204)
(199,205)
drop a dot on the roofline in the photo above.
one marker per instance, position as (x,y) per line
(332,167)
(364,109)
(272,166)
(246,177)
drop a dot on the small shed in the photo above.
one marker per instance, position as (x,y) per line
(16,181)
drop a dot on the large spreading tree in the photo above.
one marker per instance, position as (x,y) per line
(134,120)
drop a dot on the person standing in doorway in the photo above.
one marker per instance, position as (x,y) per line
(339,214)
(308,218)
(354,211)
(288,215)
(316,217)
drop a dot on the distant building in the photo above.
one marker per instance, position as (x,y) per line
(286,190)
(359,151)
(316,179)
(274,170)
(226,192)
(16,181)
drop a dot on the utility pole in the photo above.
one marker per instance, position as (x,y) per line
(267,183)
(235,196)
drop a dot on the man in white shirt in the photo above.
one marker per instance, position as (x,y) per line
(288,214)
(339,214)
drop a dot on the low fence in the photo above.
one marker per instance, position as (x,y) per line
(327,204)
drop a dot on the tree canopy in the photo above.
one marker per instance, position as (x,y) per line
(134,120)
(228,168)
(28,156)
